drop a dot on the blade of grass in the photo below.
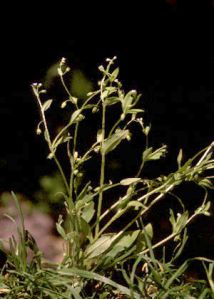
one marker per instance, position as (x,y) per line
(95,276)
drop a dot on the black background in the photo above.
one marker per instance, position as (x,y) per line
(164,50)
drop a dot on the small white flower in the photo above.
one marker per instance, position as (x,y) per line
(178,215)
(38,131)
(63,61)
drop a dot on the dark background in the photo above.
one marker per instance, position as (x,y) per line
(164,48)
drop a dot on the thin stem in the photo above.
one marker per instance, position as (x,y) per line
(115,204)
(73,162)
(143,197)
(114,127)
(140,169)
(65,87)
(164,241)
(44,120)
(102,170)
(69,124)
(62,174)
(205,154)
(154,191)
(168,238)
(50,143)
(140,214)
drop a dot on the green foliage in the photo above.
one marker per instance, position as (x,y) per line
(93,253)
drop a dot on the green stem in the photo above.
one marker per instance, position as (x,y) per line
(62,174)
(65,87)
(50,144)
(102,171)
(72,164)
(168,238)
(140,169)
(114,127)
(140,214)
(140,199)
(69,124)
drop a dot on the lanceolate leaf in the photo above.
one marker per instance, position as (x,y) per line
(112,142)
(129,181)
(47,104)
(126,241)
(205,182)
(127,101)
(149,154)
(100,246)
(75,116)
(135,111)
(114,74)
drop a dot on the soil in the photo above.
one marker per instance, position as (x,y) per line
(39,224)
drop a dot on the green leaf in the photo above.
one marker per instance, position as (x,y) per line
(46,136)
(113,141)
(111,89)
(136,204)
(204,209)
(114,74)
(124,201)
(104,94)
(180,271)
(84,228)
(205,182)
(127,101)
(129,181)
(75,116)
(156,275)
(112,100)
(61,140)
(61,230)
(149,154)
(178,223)
(179,248)
(46,104)
(125,241)
(81,202)
(20,213)
(100,246)
(88,212)
(99,136)
(94,276)
(135,111)
(141,240)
